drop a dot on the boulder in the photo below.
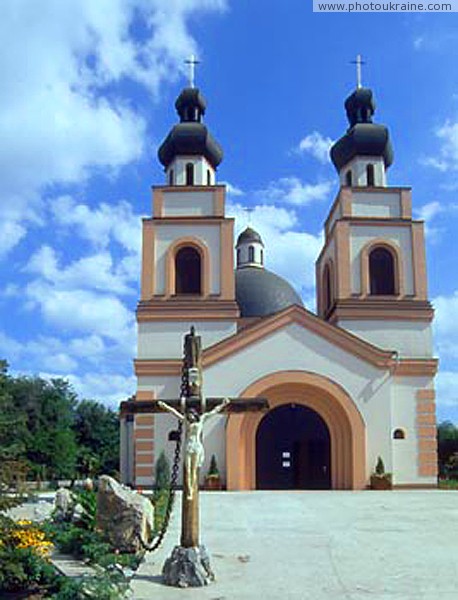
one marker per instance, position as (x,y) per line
(123,515)
(63,505)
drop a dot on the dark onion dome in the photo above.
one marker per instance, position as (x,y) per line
(260,292)
(363,138)
(190,136)
(248,236)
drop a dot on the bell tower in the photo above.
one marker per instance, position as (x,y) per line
(371,273)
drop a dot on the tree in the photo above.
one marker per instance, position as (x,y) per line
(447,449)
(97,436)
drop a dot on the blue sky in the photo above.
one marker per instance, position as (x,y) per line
(87,95)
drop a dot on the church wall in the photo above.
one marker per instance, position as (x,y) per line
(358,166)
(165,339)
(376,204)
(409,338)
(294,348)
(167,234)
(201,166)
(401,237)
(190,204)
(406,463)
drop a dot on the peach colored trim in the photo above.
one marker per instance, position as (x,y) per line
(142,446)
(427,470)
(187,220)
(144,459)
(219,199)
(148,270)
(426,407)
(427,445)
(426,419)
(419,261)
(345,423)
(346,197)
(226,268)
(406,204)
(426,432)
(426,394)
(158,202)
(398,267)
(179,308)
(144,420)
(157,367)
(382,308)
(380,222)
(343,272)
(322,287)
(296,314)
(170,263)
(144,471)
(145,395)
(145,434)
(411,367)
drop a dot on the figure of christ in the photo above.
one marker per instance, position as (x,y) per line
(194,425)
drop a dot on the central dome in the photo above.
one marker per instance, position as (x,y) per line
(260,292)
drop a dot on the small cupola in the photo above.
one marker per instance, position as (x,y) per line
(250,249)
(190,154)
(364,153)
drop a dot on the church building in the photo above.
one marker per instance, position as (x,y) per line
(345,386)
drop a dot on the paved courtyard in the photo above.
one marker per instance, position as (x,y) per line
(400,545)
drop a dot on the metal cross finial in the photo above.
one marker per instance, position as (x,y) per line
(249,210)
(358,62)
(192,62)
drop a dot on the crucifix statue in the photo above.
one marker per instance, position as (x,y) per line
(189,563)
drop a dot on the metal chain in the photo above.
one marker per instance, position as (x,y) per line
(175,468)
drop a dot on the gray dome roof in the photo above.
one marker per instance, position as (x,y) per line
(260,292)
(249,235)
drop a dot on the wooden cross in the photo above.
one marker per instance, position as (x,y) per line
(358,62)
(192,62)
(193,409)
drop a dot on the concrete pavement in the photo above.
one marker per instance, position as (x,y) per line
(400,545)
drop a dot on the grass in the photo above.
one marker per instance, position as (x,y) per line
(448,484)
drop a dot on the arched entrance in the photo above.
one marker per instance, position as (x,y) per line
(293,450)
(329,400)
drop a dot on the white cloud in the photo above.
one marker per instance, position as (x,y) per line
(84,311)
(232,190)
(95,272)
(446,317)
(61,112)
(289,253)
(317,145)
(11,233)
(447,388)
(447,158)
(427,213)
(291,190)
(101,224)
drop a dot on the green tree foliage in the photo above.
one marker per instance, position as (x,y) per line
(447,445)
(97,437)
(43,426)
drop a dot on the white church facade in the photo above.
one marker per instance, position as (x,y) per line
(346,385)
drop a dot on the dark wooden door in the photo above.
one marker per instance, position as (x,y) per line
(293,450)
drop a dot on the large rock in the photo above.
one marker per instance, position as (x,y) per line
(63,505)
(123,515)
(187,567)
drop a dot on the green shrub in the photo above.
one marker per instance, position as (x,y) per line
(162,474)
(380,467)
(213,470)
(23,569)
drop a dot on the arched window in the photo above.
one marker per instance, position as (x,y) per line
(370,173)
(188,271)
(250,253)
(239,256)
(189,174)
(171,177)
(399,434)
(381,272)
(348,178)
(209,177)
(327,288)
(262,256)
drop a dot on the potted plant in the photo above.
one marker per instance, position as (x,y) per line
(213,478)
(379,479)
